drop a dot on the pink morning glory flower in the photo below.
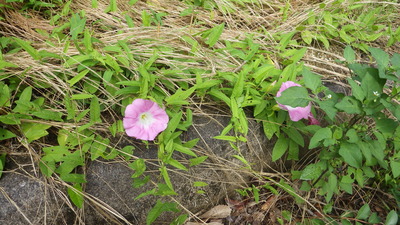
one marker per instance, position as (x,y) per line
(296,113)
(144,119)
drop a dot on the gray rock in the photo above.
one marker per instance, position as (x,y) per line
(111,182)
(26,198)
(109,192)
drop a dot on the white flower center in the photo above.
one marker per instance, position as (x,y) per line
(146,119)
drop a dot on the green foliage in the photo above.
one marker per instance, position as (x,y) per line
(2,163)
(100,79)
(365,152)
(159,208)
(350,25)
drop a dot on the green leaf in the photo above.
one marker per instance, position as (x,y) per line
(34,131)
(307,36)
(5,96)
(285,40)
(293,153)
(378,151)
(139,166)
(215,34)
(76,196)
(98,147)
(239,85)
(78,77)
(357,91)
(172,125)
(280,148)
(294,97)
(180,219)
(364,212)
(323,39)
(176,164)
(381,57)
(392,218)
(179,98)
(395,166)
(349,105)
(386,126)
(198,160)
(81,96)
(321,134)
(352,135)
(24,99)
(165,175)
(208,84)
(2,163)
(199,184)
(95,111)
(226,138)
(137,182)
(4,64)
(328,105)
(28,48)
(127,152)
(331,187)
(351,154)
(311,172)
(286,187)
(158,209)
(294,135)
(49,115)
(164,190)
(374,218)
(242,159)
(349,54)
(311,80)
(112,7)
(5,134)
(372,84)
(219,95)
(184,150)
(73,178)
(69,162)
(77,25)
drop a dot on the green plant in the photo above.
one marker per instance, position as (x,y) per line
(351,25)
(353,151)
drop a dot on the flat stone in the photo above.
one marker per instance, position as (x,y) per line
(29,198)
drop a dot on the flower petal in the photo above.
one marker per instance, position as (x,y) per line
(299,113)
(144,119)
(312,120)
(132,111)
(129,122)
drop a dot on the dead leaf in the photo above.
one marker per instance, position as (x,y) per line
(219,211)
(235,204)
(269,203)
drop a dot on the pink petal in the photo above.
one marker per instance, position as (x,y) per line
(134,126)
(299,113)
(132,111)
(312,120)
(282,106)
(129,122)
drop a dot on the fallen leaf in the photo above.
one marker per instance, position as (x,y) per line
(219,211)
(235,204)
(269,203)
(258,218)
